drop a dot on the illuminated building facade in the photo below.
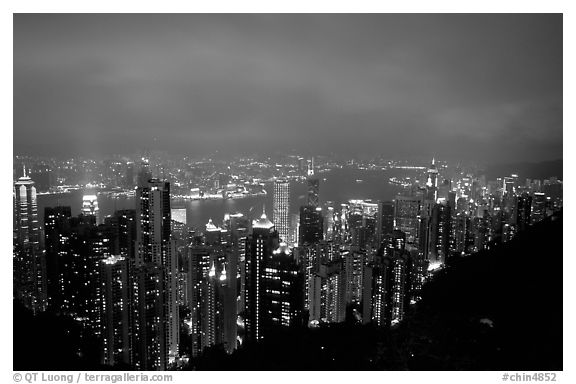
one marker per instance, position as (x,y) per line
(328,294)
(384,220)
(441,232)
(260,245)
(115,310)
(313,186)
(200,257)
(523,211)
(353,270)
(29,261)
(90,206)
(284,292)
(311,225)
(539,205)
(156,278)
(281,214)
(432,183)
(57,246)
(406,211)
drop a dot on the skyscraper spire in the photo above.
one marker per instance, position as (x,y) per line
(23,170)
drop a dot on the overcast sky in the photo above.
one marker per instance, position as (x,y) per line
(470,87)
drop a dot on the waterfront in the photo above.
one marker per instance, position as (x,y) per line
(338,186)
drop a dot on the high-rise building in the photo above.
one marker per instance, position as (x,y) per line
(313,186)
(239,227)
(406,211)
(441,230)
(353,271)
(115,310)
(523,211)
(29,260)
(311,225)
(432,183)
(200,259)
(260,246)
(539,202)
(310,258)
(313,192)
(377,293)
(123,223)
(461,233)
(90,206)
(392,281)
(281,214)
(213,307)
(328,294)
(284,292)
(329,222)
(57,246)
(384,220)
(155,279)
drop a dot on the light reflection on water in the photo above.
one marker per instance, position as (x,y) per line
(339,186)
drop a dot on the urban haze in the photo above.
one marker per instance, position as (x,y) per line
(288,192)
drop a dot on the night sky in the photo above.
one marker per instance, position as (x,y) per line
(467,87)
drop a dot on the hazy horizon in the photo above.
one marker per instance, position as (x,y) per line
(484,87)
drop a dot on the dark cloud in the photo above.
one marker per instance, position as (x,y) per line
(458,86)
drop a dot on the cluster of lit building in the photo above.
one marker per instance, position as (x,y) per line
(140,280)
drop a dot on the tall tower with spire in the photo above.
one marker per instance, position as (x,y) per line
(432,183)
(313,186)
(29,259)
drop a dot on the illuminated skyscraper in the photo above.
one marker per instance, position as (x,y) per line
(57,245)
(284,291)
(329,221)
(523,211)
(239,227)
(353,269)
(115,310)
(281,216)
(259,248)
(441,229)
(155,288)
(432,183)
(200,259)
(328,294)
(406,213)
(313,186)
(384,220)
(311,225)
(539,202)
(90,206)
(123,223)
(377,293)
(213,308)
(29,261)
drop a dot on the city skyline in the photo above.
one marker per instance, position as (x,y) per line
(295,192)
(357,84)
